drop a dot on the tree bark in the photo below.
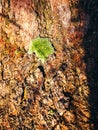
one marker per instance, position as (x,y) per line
(65,23)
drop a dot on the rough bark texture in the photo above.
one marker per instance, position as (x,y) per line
(60,94)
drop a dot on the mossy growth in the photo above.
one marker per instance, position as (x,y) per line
(42,47)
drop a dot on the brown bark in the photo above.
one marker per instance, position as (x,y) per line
(54,95)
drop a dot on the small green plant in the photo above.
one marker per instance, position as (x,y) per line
(17,52)
(42,47)
(51,112)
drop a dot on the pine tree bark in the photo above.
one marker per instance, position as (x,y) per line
(65,23)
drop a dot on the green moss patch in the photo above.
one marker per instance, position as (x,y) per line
(42,47)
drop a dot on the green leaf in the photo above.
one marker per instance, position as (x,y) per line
(42,48)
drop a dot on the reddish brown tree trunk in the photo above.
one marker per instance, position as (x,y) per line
(36,96)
